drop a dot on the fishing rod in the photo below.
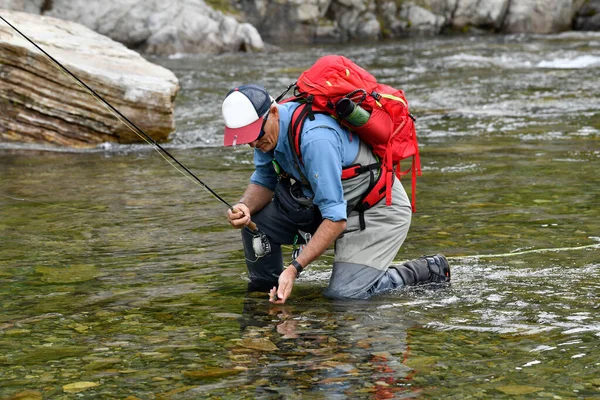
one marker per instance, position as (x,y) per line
(137,130)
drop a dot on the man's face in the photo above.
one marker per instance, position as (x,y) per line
(268,141)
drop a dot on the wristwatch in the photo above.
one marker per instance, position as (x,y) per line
(298,267)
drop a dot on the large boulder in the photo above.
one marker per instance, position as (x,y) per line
(161,27)
(539,16)
(40,103)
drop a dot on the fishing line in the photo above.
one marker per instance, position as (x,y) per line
(519,253)
(22,199)
(512,254)
(133,127)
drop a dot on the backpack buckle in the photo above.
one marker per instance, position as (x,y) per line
(376,95)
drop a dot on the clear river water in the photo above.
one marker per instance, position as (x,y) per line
(120,278)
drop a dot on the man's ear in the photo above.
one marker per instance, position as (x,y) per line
(274,111)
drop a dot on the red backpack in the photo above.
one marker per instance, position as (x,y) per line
(390,129)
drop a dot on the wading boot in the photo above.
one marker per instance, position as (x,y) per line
(427,269)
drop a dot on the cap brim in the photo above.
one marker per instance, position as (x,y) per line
(242,135)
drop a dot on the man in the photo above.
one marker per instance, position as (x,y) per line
(325,208)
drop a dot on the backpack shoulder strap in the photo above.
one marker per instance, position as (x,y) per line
(295,136)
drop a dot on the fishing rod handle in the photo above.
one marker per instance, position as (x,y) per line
(251,225)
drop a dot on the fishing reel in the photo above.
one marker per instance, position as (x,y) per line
(260,244)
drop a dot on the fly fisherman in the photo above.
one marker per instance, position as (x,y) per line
(324,210)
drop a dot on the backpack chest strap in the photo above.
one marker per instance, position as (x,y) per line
(355,170)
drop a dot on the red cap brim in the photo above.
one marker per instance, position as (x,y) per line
(243,135)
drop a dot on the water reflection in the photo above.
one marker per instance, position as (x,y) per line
(336,348)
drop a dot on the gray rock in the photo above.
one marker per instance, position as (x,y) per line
(421,21)
(155,26)
(484,14)
(308,12)
(28,6)
(369,28)
(577,4)
(41,104)
(445,8)
(291,21)
(588,16)
(162,27)
(538,16)
(392,27)
(355,20)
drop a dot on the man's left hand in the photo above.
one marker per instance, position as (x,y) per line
(286,283)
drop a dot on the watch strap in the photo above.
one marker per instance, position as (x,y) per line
(298,266)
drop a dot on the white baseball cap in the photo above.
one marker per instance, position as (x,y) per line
(244,111)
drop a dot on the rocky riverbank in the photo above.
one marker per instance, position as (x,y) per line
(195,26)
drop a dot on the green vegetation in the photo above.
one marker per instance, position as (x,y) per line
(222,5)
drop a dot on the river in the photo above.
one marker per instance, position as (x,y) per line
(120,277)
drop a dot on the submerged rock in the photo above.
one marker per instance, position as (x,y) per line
(212,373)
(26,395)
(41,104)
(262,344)
(79,386)
(72,274)
(516,390)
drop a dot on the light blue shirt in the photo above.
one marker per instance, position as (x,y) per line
(326,148)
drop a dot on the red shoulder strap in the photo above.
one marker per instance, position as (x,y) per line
(294,134)
(295,129)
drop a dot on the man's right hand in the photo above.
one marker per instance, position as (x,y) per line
(239,217)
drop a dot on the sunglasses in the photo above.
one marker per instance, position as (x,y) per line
(262,127)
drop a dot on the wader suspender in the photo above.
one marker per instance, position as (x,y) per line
(377,187)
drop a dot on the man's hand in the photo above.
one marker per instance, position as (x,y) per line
(286,283)
(239,216)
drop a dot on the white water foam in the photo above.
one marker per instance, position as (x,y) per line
(569,60)
(579,62)
(478,61)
